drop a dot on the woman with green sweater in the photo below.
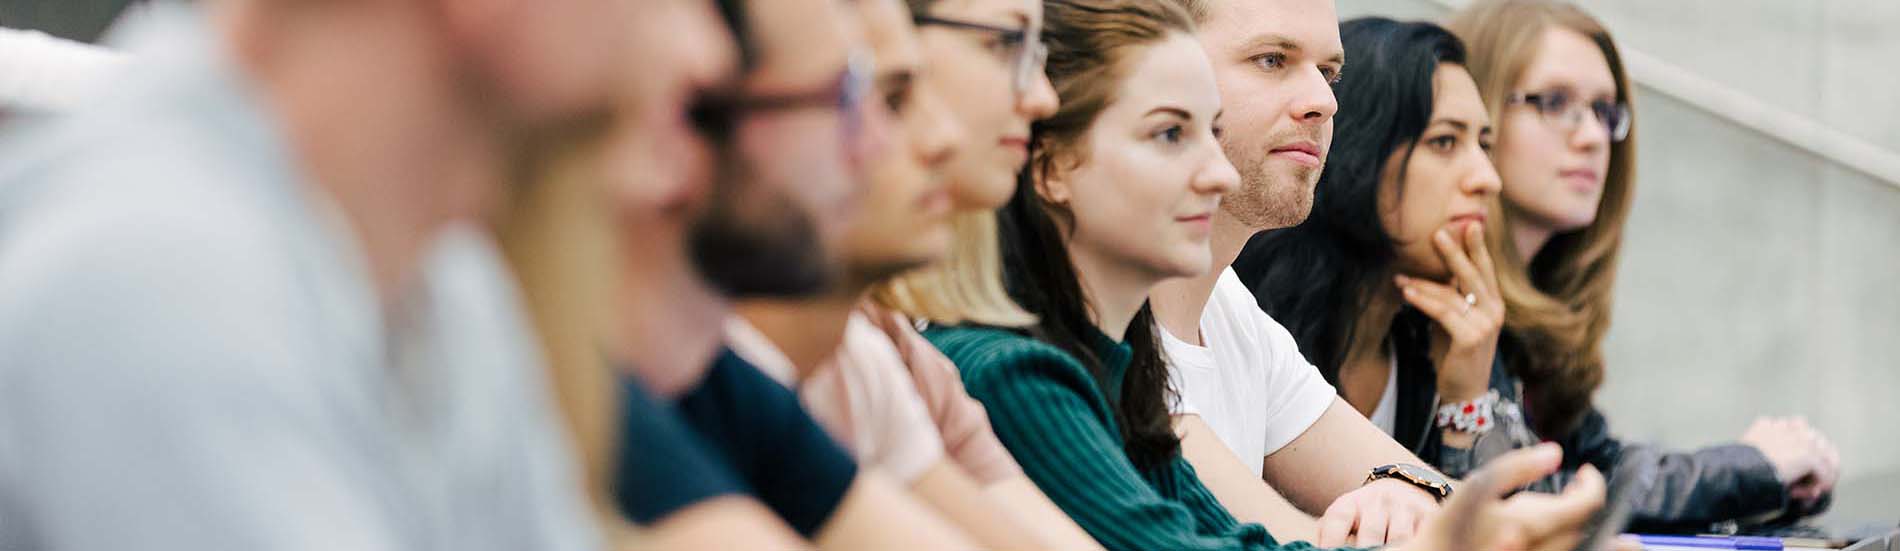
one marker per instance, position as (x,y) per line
(1118,195)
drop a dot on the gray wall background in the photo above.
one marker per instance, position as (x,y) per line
(1757,278)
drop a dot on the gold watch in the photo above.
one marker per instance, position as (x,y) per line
(1425,479)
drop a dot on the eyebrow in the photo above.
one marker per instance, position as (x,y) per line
(1461,126)
(1170,110)
(1283,42)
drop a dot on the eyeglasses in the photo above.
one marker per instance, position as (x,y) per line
(1022,48)
(1559,109)
(717,114)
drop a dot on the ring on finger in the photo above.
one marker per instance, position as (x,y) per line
(1471,299)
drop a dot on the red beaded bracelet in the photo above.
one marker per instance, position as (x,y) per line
(1474,416)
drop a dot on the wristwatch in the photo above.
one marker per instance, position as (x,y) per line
(1425,479)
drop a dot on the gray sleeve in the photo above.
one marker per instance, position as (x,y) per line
(538,500)
(153,395)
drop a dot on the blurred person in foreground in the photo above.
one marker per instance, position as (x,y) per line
(247,304)
(661,238)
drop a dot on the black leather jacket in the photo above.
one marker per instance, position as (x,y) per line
(1678,492)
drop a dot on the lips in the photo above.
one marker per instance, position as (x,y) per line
(1581,179)
(1304,153)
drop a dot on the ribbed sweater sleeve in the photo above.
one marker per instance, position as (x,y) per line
(1050,414)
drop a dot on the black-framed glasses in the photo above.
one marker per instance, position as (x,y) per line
(1022,48)
(1558,108)
(718,113)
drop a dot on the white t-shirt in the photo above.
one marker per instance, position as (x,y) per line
(1250,383)
(1386,414)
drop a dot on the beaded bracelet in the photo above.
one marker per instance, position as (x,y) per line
(1472,416)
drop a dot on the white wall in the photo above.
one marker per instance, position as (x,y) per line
(1758,278)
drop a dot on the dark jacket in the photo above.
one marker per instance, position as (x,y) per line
(1676,492)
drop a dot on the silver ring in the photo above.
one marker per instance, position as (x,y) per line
(1471,299)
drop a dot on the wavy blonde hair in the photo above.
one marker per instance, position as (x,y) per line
(965,287)
(556,233)
(1558,303)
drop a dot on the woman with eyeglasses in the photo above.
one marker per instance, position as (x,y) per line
(1117,197)
(1554,81)
(986,64)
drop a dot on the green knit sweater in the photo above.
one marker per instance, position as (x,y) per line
(1052,415)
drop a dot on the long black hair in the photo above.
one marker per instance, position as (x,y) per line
(1088,41)
(1317,278)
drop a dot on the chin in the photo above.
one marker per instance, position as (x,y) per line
(1188,266)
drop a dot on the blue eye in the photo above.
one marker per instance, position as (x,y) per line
(1271,62)
(1171,134)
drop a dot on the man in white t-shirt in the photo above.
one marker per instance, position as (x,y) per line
(1251,407)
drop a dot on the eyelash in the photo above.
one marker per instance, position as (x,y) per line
(897,100)
(1443,143)
(1278,59)
(1172,134)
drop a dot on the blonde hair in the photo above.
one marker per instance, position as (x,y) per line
(1558,303)
(965,287)
(556,234)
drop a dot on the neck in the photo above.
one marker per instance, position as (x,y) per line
(670,323)
(1372,327)
(397,172)
(808,331)
(1530,239)
(1178,303)
(1113,291)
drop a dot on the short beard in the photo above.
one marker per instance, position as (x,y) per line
(752,241)
(1269,199)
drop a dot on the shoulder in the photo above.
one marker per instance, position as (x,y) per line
(984,351)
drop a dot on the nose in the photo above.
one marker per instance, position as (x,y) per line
(1483,179)
(1039,101)
(1590,133)
(1217,176)
(707,49)
(1313,101)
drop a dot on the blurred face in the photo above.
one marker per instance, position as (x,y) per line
(904,220)
(1145,194)
(800,131)
(973,71)
(1448,180)
(679,51)
(555,60)
(1276,61)
(1554,172)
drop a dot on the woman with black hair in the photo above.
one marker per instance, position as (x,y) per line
(1118,196)
(1388,285)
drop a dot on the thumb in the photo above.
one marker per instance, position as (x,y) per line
(1516,469)
(1463,515)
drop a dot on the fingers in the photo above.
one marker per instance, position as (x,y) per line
(1516,469)
(1481,255)
(1554,521)
(1458,259)
(1372,525)
(1433,299)
(1337,523)
(1582,498)
(1442,303)
(1403,524)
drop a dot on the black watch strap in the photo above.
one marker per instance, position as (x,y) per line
(1425,479)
